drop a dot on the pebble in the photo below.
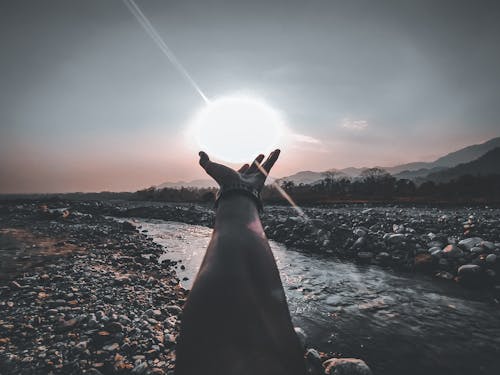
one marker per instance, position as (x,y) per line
(452,251)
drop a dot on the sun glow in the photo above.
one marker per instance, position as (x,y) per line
(236,129)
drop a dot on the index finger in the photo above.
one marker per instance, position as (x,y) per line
(273,156)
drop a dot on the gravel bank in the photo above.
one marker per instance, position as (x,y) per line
(79,295)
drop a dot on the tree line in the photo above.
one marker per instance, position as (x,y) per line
(373,184)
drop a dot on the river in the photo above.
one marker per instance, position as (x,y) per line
(398,323)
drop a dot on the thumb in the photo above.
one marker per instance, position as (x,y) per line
(208,165)
(204,159)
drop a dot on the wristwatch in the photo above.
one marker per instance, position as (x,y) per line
(239,188)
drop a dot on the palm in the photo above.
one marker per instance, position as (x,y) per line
(253,175)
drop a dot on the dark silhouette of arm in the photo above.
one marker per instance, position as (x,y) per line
(236,319)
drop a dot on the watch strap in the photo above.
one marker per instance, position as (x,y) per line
(239,188)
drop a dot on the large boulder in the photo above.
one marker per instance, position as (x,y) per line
(346,366)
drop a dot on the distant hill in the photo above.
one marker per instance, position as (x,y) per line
(411,171)
(467,154)
(487,164)
(419,173)
(464,155)
(408,167)
(352,171)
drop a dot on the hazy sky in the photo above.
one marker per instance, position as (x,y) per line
(89,103)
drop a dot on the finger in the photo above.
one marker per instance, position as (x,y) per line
(204,159)
(243,168)
(268,164)
(253,168)
(207,164)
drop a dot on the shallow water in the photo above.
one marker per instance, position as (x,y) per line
(398,323)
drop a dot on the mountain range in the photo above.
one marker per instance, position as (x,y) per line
(481,158)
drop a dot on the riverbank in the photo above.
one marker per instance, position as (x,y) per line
(78,294)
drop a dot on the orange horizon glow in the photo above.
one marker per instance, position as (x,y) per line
(140,162)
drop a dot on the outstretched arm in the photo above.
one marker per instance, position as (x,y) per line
(236,319)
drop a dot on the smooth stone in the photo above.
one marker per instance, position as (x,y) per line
(452,251)
(140,368)
(488,245)
(396,238)
(471,275)
(301,335)
(346,366)
(111,347)
(491,258)
(469,243)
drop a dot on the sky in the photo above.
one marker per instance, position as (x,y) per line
(88,102)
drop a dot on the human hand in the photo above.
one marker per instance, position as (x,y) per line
(252,176)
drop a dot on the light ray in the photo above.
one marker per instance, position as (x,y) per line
(285,195)
(148,27)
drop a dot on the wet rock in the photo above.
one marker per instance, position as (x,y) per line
(488,245)
(140,368)
(424,262)
(313,362)
(396,238)
(383,258)
(491,258)
(452,251)
(346,366)
(365,256)
(469,243)
(359,243)
(444,275)
(476,250)
(301,335)
(471,275)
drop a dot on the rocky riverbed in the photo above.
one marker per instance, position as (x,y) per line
(83,293)
(454,244)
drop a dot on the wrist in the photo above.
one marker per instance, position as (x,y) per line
(239,189)
(236,209)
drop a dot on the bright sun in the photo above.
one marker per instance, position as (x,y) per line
(236,129)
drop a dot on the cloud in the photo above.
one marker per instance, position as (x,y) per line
(356,125)
(301,138)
